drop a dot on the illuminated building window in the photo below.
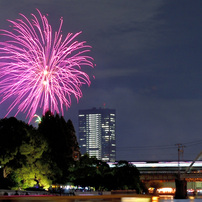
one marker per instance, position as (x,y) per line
(97,131)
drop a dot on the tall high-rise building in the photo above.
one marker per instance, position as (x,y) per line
(97,133)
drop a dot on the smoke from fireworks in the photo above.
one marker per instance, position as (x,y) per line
(38,68)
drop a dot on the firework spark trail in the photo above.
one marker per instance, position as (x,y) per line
(39,69)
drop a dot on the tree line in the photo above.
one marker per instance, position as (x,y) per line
(49,154)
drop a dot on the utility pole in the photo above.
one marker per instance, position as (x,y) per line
(180,151)
(181,184)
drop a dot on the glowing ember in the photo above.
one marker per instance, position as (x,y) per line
(39,69)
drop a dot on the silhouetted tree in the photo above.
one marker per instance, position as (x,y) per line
(39,157)
(62,144)
(86,173)
(126,176)
(21,148)
(11,134)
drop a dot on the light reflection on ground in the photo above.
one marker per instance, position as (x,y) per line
(170,198)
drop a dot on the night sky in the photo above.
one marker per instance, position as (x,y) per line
(148,56)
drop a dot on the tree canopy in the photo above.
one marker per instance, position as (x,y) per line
(21,148)
(96,173)
(41,157)
(62,143)
(37,157)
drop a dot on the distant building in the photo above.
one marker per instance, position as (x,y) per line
(97,133)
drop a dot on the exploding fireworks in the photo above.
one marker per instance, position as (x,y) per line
(40,69)
(38,119)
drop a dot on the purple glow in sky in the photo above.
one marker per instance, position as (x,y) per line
(40,69)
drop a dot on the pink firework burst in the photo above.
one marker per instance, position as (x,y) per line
(38,68)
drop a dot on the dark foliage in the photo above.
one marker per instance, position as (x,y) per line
(40,157)
(61,138)
(20,150)
(90,172)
